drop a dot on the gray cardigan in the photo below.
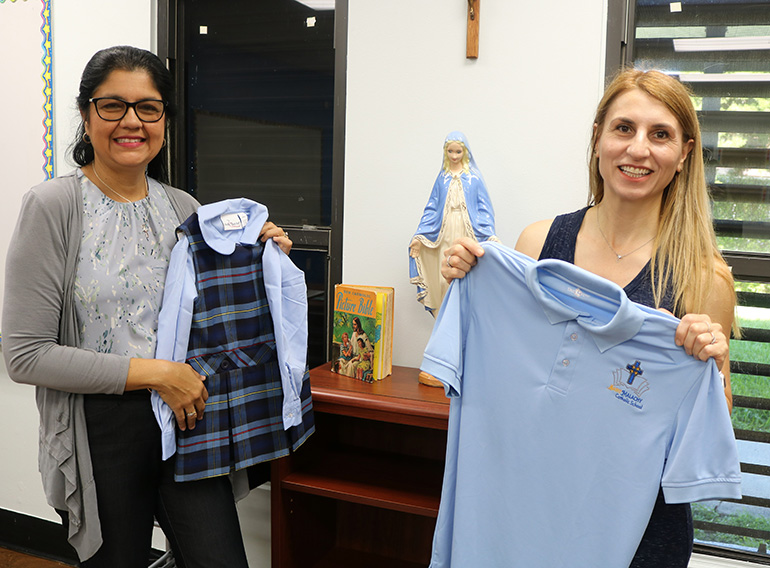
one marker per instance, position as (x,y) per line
(41,345)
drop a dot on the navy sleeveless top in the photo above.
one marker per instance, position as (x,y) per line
(668,539)
(560,244)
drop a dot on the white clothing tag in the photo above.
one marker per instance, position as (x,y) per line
(234,221)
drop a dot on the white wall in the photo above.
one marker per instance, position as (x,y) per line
(21,160)
(22,142)
(80,29)
(526,106)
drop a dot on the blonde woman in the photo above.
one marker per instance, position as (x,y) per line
(648,229)
(459,206)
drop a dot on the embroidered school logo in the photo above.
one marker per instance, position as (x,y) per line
(634,370)
(629,385)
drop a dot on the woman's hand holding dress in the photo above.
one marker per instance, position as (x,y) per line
(177,383)
(271,231)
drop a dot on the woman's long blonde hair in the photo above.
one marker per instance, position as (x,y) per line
(685,255)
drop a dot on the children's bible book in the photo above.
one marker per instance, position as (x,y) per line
(363,331)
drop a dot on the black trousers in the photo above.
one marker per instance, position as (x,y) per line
(134,487)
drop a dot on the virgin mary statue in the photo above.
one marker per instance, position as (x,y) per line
(459,206)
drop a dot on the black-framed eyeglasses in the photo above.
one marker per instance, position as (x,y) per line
(112,109)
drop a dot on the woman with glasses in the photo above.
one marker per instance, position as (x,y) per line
(84,282)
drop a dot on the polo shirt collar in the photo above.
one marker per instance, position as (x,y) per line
(567,292)
(212,226)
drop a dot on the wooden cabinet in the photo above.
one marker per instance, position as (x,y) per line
(364,490)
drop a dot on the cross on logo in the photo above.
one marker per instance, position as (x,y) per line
(634,371)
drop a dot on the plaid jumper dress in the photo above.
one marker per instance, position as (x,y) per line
(232,344)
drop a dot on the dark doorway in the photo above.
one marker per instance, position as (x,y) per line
(262,116)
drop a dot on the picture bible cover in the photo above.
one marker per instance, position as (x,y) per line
(363,331)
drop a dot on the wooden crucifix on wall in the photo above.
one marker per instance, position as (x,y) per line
(472,39)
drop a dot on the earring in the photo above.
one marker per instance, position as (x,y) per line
(86,138)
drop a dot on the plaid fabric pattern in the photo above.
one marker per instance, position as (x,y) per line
(232,344)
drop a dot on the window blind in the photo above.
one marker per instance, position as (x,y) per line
(721,50)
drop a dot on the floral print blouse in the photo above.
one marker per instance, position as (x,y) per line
(121,272)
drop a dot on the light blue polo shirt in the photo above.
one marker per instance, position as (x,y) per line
(571,405)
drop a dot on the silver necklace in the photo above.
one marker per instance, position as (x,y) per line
(146,189)
(145,226)
(606,240)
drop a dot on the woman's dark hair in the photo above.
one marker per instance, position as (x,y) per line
(124,58)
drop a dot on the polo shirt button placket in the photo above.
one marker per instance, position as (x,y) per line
(566,359)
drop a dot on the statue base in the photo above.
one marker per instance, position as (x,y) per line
(429,380)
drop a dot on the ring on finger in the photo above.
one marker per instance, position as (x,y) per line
(449,264)
(191,414)
(713,338)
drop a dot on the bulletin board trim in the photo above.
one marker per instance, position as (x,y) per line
(47,60)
